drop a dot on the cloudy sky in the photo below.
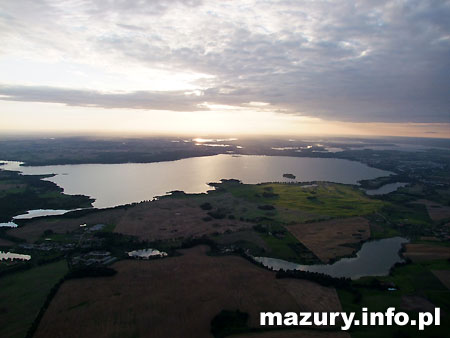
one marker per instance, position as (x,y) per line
(231,67)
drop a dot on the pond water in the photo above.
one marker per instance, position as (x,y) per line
(386,189)
(11,255)
(374,259)
(334,149)
(147,253)
(8,225)
(118,184)
(41,212)
(34,213)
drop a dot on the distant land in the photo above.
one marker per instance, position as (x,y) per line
(214,244)
(80,150)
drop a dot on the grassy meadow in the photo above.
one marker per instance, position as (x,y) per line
(22,295)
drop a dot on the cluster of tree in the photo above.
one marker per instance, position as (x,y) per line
(268,194)
(260,219)
(320,278)
(266,207)
(206,206)
(33,193)
(312,198)
(261,228)
(31,331)
(217,214)
(306,255)
(406,261)
(116,242)
(25,265)
(204,240)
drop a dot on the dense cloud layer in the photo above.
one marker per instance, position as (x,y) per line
(370,61)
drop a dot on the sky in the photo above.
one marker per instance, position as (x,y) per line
(236,67)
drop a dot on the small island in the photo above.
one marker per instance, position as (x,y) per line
(291,176)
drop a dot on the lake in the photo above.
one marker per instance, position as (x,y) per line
(386,189)
(374,259)
(117,184)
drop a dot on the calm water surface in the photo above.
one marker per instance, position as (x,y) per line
(11,255)
(117,184)
(8,225)
(374,259)
(41,212)
(386,189)
(147,253)
(34,213)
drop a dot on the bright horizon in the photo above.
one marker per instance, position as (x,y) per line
(245,67)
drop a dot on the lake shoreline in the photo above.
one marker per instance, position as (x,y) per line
(119,184)
(339,269)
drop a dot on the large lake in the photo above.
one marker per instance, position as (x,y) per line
(117,184)
(374,259)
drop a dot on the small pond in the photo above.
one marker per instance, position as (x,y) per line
(386,189)
(147,253)
(12,256)
(8,225)
(41,212)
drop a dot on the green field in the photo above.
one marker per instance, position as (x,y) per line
(317,202)
(273,206)
(395,219)
(284,245)
(22,295)
(410,280)
(412,214)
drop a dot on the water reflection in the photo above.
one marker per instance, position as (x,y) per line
(41,212)
(8,225)
(386,189)
(118,184)
(147,253)
(374,259)
(12,256)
